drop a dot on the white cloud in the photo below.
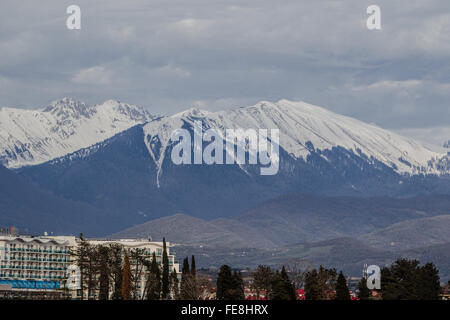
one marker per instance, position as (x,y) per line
(172,70)
(168,55)
(389,85)
(97,75)
(434,135)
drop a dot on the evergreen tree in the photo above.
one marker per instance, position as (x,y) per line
(165,272)
(126,279)
(262,280)
(153,287)
(282,287)
(277,285)
(428,283)
(406,280)
(237,290)
(399,281)
(364,293)
(327,282)
(186,283)
(225,284)
(342,292)
(193,270)
(81,253)
(104,273)
(174,285)
(185,269)
(312,286)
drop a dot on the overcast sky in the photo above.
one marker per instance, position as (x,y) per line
(168,55)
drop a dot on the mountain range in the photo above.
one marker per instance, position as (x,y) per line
(313,230)
(379,222)
(132,175)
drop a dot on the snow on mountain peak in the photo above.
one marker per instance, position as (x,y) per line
(191,113)
(132,112)
(29,137)
(69,108)
(302,125)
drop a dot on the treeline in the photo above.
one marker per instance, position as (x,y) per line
(111,272)
(276,285)
(403,280)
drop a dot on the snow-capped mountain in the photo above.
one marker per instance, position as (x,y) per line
(132,172)
(30,137)
(304,128)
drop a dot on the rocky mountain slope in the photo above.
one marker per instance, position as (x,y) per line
(29,137)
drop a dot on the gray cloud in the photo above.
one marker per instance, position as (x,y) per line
(171,54)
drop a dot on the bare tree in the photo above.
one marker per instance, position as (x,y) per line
(204,286)
(86,260)
(139,262)
(297,269)
(116,252)
(189,289)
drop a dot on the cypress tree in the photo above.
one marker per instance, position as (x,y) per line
(342,292)
(193,271)
(174,285)
(126,278)
(185,269)
(165,272)
(154,280)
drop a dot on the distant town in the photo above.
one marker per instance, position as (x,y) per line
(78,268)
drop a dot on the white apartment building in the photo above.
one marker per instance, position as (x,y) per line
(34,263)
(47,262)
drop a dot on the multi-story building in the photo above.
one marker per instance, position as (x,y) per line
(33,264)
(46,263)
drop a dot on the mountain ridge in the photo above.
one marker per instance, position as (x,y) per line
(305,128)
(30,137)
(136,164)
